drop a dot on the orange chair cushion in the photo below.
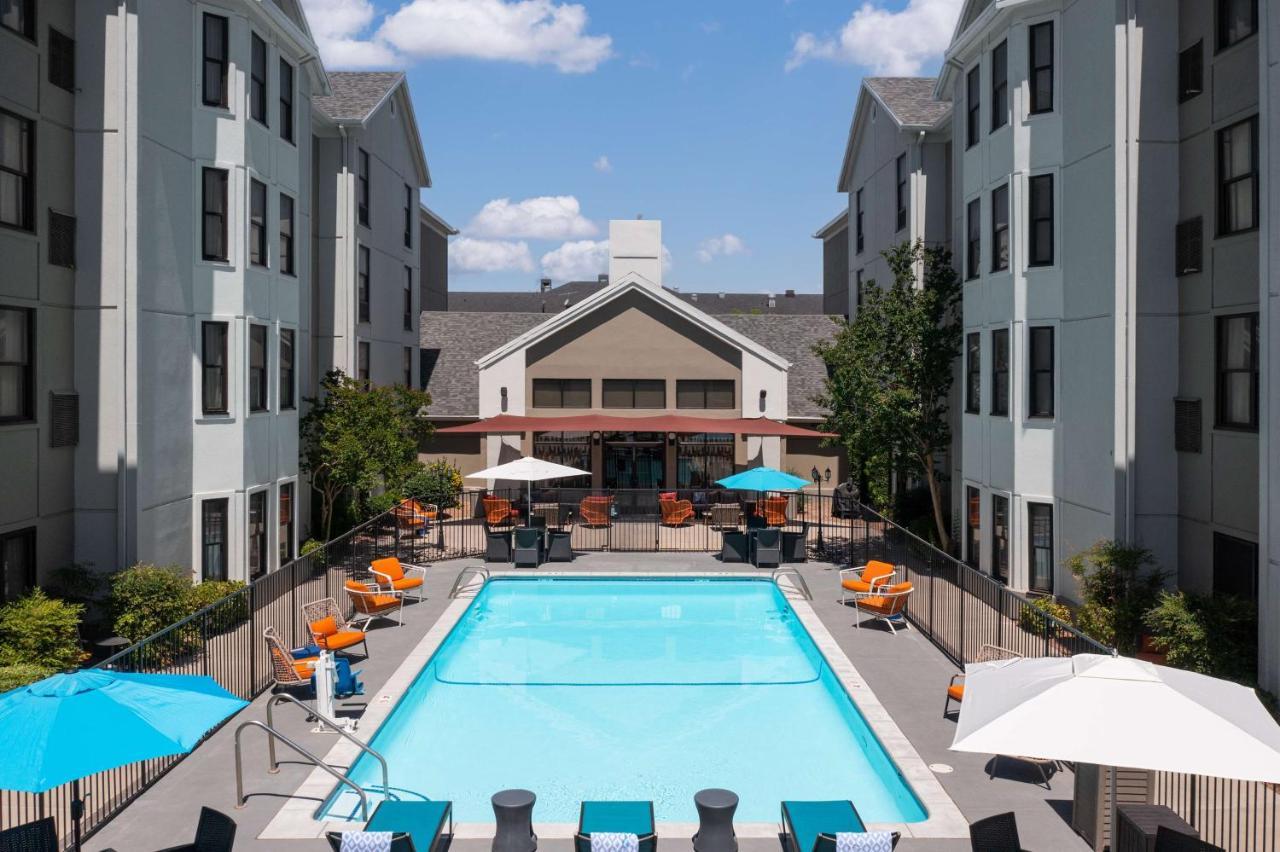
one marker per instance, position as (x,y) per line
(855,585)
(338,641)
(324,627)
(875,568)
(904,586)
(956,691)
(304,668)
(377,603)
(389,567)
(356,586)
(406,583)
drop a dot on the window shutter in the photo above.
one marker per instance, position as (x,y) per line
(64,419)
(62,240)
(1191,72)
(62,60)
(1189,247)
(1186,425)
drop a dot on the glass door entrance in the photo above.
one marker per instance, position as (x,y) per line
(634,460)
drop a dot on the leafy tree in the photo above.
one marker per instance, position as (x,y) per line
(359,436)
(1119,583)
(438,482)
(1212,635)
(146,599)
(890,369)
(42,632)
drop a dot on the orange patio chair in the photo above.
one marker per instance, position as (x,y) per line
(409,516)
(864,578)
(498,511)
(595,511)
(329,626)
(885,603)
(392,575)
(370,602)
(675,512)
(988,653)
(287,671)
(774,511)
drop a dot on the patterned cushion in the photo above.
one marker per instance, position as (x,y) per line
(366,841)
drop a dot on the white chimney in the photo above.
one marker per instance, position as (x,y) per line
(635,247)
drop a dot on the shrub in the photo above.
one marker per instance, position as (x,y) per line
(12,677)
(315,551)
(148,598)
(438,482)
(76,582)
(1119,583)
(1211,635)
(42,632)
(1031,617)
(230,613)
(378,504)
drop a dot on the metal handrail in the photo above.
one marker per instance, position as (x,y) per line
(457,582)
(272,733)
(803,587)
(330,723)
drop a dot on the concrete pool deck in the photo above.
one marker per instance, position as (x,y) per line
(905,673)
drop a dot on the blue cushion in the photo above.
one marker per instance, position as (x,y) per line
(423,821)
(806,820)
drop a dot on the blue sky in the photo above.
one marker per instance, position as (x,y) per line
(726,120)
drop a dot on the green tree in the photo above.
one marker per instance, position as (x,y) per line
(359,436)
(890,369)
(1215,635)
(1119,583)
(146,599)
(42,632)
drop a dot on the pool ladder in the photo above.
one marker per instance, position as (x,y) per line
(459,587)
(797,581)
(273,765)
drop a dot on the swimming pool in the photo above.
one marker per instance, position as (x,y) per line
(636,688)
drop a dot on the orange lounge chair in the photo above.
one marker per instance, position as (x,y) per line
(287,671)
(774,511)
(498,511)
(675,512)
(329,628)
(392,575)
(595,511)
(885,603)
(370,602)
(988,653)
(408,517)
(865,578)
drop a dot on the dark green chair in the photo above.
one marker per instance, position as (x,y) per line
(618,817)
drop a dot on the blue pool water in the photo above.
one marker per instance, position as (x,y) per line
(631,689)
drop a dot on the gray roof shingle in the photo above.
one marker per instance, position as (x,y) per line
(570,293)
(910,99)
(792,337)
(356,93)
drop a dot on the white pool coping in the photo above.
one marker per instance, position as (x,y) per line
(297,820)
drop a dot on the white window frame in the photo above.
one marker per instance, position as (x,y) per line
(235,565)
(1041,422)
(1020,561)
(234,388)
(1020,210)
(237,202)
(249,491)
(274,532)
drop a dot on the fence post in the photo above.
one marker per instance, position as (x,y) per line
(1000,616)
(960,586)
(253,633)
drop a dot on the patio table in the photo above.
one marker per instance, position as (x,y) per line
(1138,825)
(513,812)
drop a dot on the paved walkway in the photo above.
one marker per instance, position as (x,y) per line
(906,672)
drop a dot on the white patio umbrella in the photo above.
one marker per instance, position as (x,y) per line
(529,470)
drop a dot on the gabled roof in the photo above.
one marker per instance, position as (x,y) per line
(976,16)
(838,223)
(793,337)
(433,221)
(908,101)
(566,295)
(358,95)
(287,20)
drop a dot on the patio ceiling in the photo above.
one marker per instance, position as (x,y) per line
(510,423)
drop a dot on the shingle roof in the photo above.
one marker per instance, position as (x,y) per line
(570,293)
(910,99)
(461,337)
(356,93)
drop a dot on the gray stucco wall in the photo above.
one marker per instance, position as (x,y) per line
(434,258)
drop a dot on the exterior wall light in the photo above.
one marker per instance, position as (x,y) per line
(503,394)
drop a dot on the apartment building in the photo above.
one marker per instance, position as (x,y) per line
(835,264)
(433,240)
(370,167)
(1269,354)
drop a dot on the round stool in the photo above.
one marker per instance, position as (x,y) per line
(715,821)
(513,812)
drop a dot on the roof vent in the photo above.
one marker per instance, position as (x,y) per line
(790,294)
(721,294)
(602,278)
(773,303)
(544,285)
(693,297)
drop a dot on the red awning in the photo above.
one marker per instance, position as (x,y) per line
(511,423)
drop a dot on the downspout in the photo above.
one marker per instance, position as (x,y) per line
(917,203)
(348,258)
(1126,323)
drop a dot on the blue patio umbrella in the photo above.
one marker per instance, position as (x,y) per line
(763,479)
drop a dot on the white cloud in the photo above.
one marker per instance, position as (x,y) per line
(577,261)
(467,254)
(602,164)
(533,32)
(546,217)
(721,246)
(340,30)
(896,43)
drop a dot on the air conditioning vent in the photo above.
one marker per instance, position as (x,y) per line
(1186,425)
(62,60)
(1191,72)
(64,419)
(1189,247)
(62,240)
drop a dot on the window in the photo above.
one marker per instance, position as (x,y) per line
(1237,366)
(407,366)
(19,16)
(62,60)
(1040,74)
(1000,372)
(408,298)
(634,393)
(17,564)
(213,358)
(1000,86)
(704,393)
(1238,177)
(286,101)
(215,61)
(1040,541)
(1040,220)
(287,397)
(1040,372)
(857,283)
(973,372)
(974,104)
(857,206)
(258,395)
(1000,537)
(1188,246)
(1237,20)
(362,360)
(258,78)
(17,175)
(286,235)
(17,364)
(362,286)
(1235,567)
(703,458)
(1000,228)
(408,216)
(257,223)
(285,524)
(213,243)
(973,247)
(901,167)
(973,526)
(257,534)
(1191,72)
(561,393)
(61,240)
(362,202)
(213,539)
(571,449)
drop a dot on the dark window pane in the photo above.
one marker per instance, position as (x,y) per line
(214,367)
(215,61)
(1237,367)
(1000,538)
(703,458)
(257,534)
(286,369)
(1000,228)
(1238,177)
(973,223)
(1040,529)
(362,285)
(1000,372)
(1040,75)
(286,101)
(19,16)
(214,225)
(1237,20)
(17,370)
(257,368)
(17,187)
(1000,86)
(257,223)
(973,99)
(362,203)
(651,393)
(17,564)
(973,538)
(973,372)
(1040,220)
(286,235)
(1235,567)
(576,393)
(901,167)
(258,79)
(285,523)
(362,360)
(213,539)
